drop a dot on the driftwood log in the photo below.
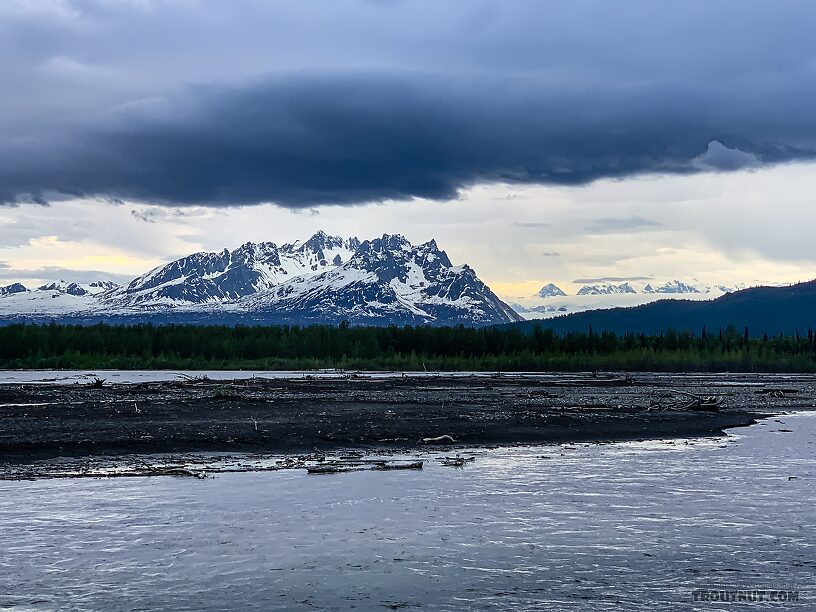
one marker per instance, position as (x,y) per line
(444,439)
(675,399)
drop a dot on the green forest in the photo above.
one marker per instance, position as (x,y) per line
(397,348)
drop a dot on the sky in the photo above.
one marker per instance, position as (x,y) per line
(537,141)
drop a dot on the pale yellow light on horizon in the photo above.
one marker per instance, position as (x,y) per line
(51,252)
(527,288)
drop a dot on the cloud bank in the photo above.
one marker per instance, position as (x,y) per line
(302,105)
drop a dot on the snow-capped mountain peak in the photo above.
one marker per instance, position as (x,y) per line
(102,285)
(730,289)
(388,278)
(606,289)
(673,286)
(71,288)
(13,288)
(323,279)
(551,290)
(214,277)
(321,250)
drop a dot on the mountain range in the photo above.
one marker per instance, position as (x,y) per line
(763,310)
(669,287)
(606,289)
(383,281)
(326,279)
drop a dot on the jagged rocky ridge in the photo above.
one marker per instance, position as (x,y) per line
(607,289)
(324,279)
(13,288)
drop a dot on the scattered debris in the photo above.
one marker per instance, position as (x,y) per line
(675,399)
(171,470)
(398,465)
(444,439)
(456,461)
(226,392)
(776,392)
(357,465)
(201,378)
(331,469)
(596,381)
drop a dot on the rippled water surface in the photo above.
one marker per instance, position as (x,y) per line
(621,526)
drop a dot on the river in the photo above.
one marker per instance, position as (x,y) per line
(635,525)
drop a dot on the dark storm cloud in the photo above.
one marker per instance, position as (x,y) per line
(719,157)
(421,100)
(343,139)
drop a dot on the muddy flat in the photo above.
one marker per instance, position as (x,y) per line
(303,414)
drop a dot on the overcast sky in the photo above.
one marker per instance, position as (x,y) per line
(538,141)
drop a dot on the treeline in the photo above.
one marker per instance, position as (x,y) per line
(396,348)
